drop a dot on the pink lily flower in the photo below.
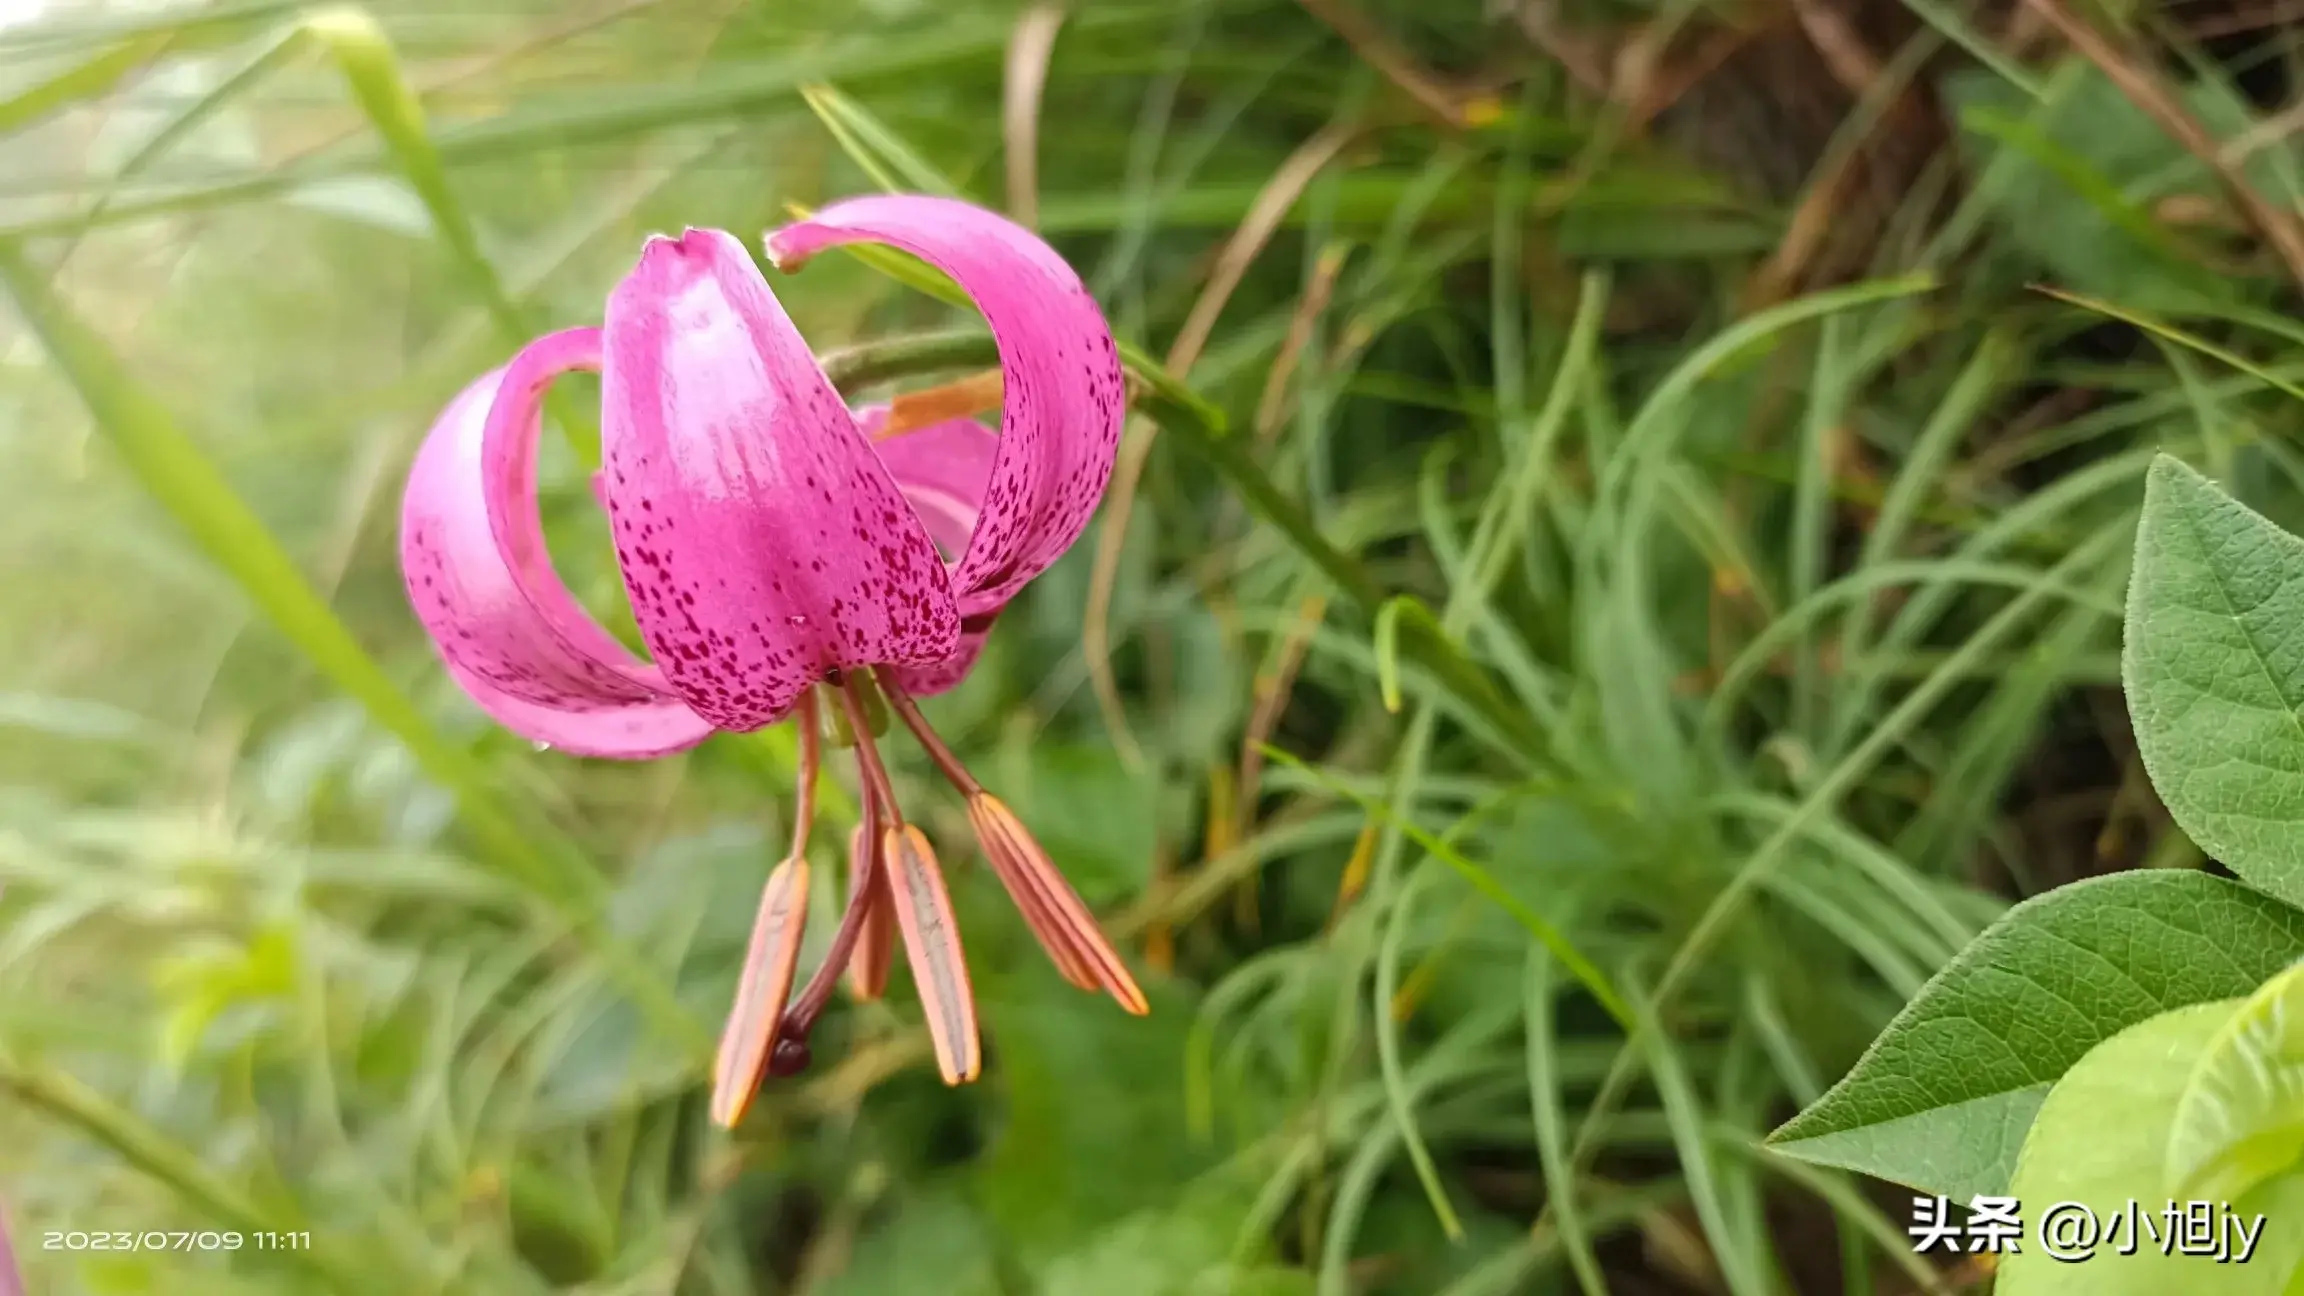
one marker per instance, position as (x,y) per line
(778,554)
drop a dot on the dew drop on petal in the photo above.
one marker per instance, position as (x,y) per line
(796,621)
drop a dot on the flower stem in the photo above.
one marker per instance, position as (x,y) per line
(811,758)
(938,753)
(801,1016)
(876,783)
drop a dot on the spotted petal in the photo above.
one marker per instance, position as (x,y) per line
(943,469)
(511,634)
(762,541)
(1063,400)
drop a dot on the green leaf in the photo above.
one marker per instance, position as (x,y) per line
(2214,671)
(2100,1140)
(882,154)
(2241,1119)
(1942,1099)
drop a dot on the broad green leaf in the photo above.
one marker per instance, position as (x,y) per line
(2241,1120)
(1942,1099)
(2214,671)
(2100,1142)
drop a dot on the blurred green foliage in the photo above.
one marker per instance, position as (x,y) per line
(1757,653)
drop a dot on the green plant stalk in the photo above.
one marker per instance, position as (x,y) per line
(873,363)
(72,1103)
(173,469)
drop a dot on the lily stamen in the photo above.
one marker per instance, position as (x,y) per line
(866,909)
(754,1033)
(876,943)
(1051,908)
(915,886)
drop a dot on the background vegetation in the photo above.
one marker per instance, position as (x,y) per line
(1680,367)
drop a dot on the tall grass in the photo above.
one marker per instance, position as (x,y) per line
(1543,694)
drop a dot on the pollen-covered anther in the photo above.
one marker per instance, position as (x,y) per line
(756,1019)
(758,1023)
(876,938)
(932,942)
(1054,911)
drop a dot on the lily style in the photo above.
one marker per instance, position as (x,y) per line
(785,560)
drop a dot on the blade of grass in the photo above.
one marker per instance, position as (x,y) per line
(1684,1113)
(91,78)
(380,86)
(1544,1084)
(1582,968)
(894,165)
(1728,904)
(2182,338)
(1385,992)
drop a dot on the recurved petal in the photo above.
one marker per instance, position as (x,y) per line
(761,539)
(1063,398)
(944,676)
(617,730)
(943,470)
(553,678)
